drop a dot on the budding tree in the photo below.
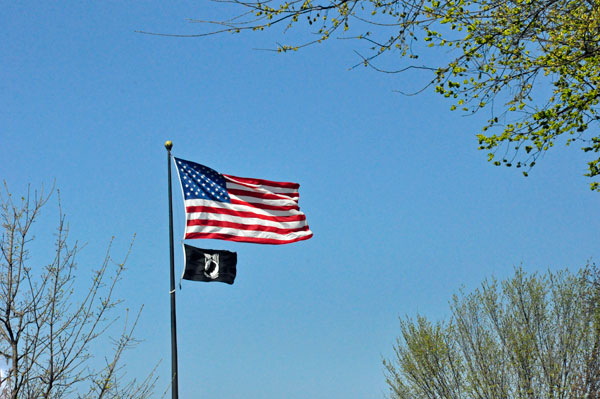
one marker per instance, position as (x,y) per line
(47,326)
(530,336)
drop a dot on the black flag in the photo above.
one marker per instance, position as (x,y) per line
(209,264)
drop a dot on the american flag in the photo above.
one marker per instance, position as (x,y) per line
(240,209)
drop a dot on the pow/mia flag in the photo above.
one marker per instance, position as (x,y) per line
(209,264)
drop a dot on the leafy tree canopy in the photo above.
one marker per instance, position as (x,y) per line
(530,336)
(539,59)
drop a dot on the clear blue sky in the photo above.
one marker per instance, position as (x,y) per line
(403,207)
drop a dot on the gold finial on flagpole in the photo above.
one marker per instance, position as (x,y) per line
(168,145)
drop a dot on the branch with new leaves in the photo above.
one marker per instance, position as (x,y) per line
(533,65)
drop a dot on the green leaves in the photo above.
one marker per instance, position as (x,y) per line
(530,336)
(534,64)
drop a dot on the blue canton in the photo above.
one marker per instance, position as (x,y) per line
(201,182)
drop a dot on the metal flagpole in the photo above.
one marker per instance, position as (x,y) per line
(174,375)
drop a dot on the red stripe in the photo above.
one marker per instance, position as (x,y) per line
(281,184)
(255,240)
(260,205)
(243,214)
(255,194)
(249,227)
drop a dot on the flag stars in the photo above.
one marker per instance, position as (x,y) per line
(201,182)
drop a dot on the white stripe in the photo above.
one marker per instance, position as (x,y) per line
(254,200)
(247,233)
(249,221)
(240,208)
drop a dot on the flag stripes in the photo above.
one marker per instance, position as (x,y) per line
(250,239)
(259,195)
(271,205)
(253,210)
(258,227)
(284,222)
(246,211)
(274,186)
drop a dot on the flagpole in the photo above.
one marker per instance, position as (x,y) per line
(174,375)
